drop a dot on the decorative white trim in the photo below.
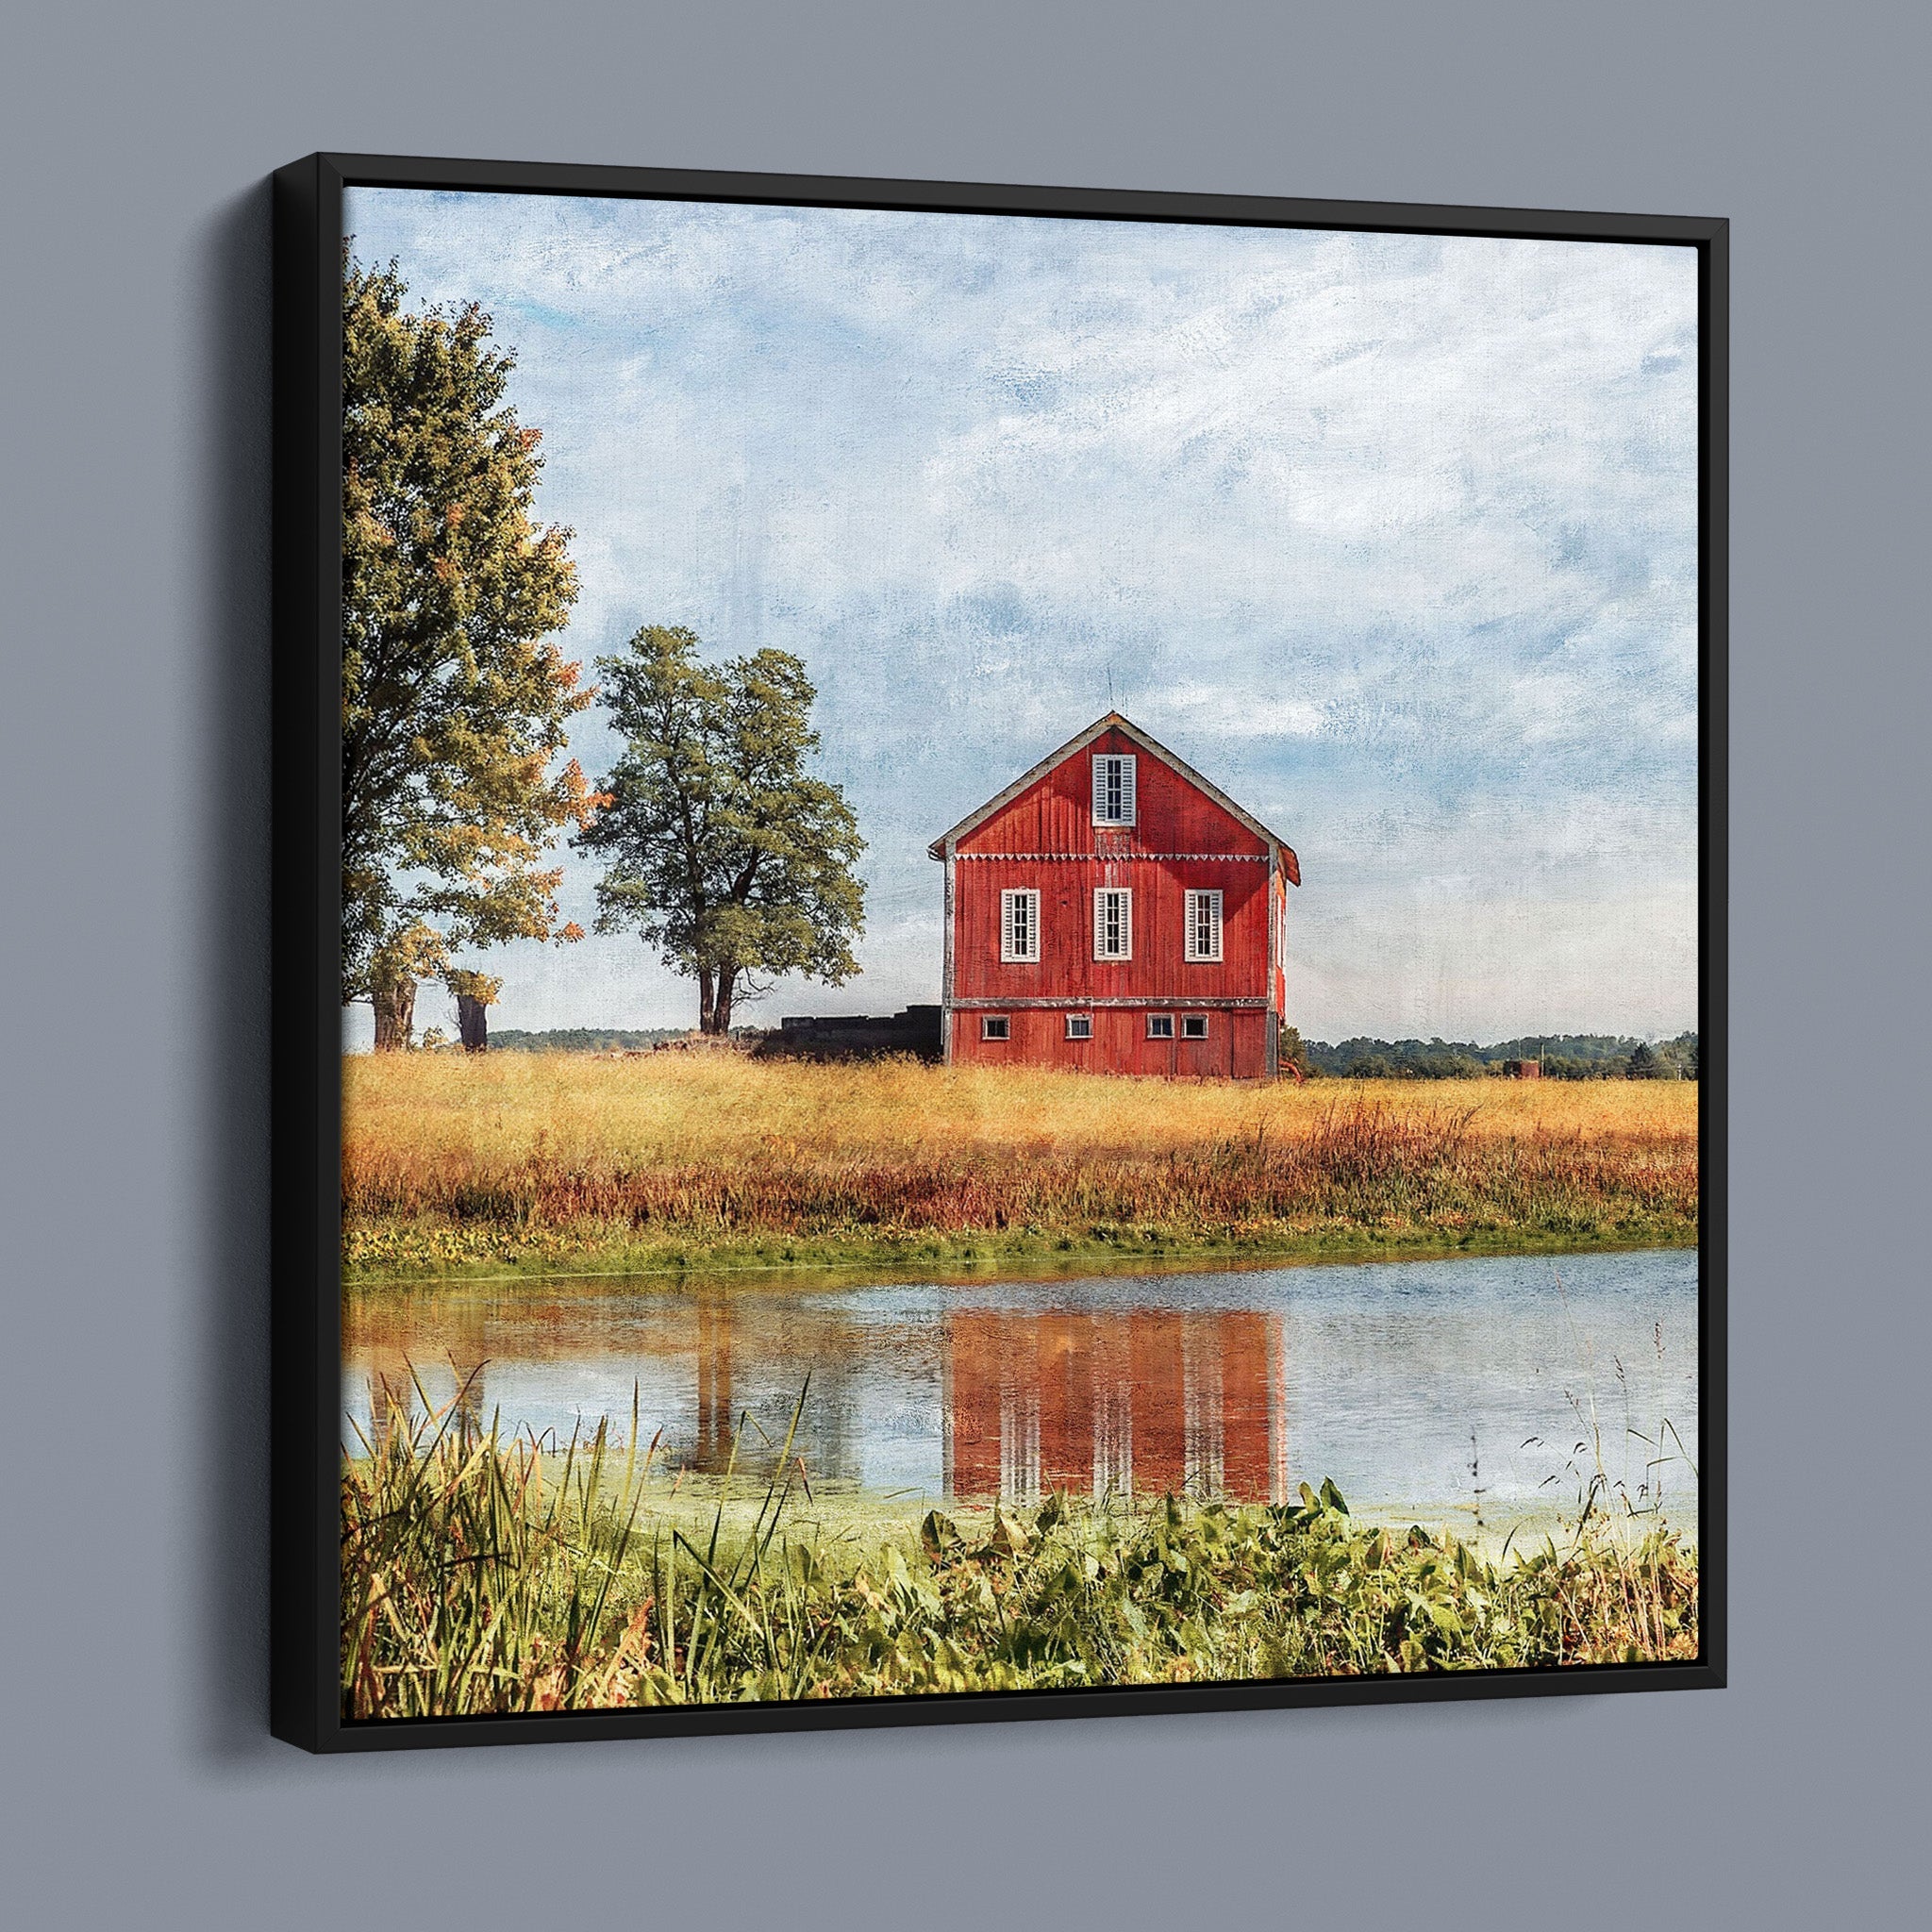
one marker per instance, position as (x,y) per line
(1234,1002)
(1118,857)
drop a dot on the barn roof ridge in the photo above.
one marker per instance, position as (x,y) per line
(1114,720)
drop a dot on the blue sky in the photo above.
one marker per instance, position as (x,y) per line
(1393,537)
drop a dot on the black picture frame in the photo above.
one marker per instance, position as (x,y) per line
(305,1287)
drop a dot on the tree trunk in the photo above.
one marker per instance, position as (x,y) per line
(705,993)
(721,1010)
(394,996)
(472,1023)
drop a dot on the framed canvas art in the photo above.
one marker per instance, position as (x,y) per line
(999,956)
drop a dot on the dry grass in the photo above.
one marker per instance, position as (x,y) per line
(665,1109)
(450,1161)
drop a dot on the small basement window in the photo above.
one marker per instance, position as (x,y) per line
(1194,1025)
(1079,1025)
(996,1027)
(1159,1026)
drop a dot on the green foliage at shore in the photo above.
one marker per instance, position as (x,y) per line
(430,1250)
(472,1583)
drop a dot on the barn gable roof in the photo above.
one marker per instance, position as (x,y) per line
(1114,721)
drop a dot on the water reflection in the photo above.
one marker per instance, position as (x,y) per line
(1115,1402)
(1418,1387)
(1015,1403)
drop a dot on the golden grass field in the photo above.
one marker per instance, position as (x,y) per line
(453,1162)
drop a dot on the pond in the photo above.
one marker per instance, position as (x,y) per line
(1469,1391)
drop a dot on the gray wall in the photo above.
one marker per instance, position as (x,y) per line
(139,1778)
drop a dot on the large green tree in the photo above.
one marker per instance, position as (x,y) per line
(455,695)
(723,853)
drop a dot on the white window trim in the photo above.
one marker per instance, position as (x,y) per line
(1151,1018)
(1009,953)
(1194,1019)
(1191,908)
(1085,1019)
(988,1021)
(1127,898)
(1131,789)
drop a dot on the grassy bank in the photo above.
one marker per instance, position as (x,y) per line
(557,1162)
(474,1582)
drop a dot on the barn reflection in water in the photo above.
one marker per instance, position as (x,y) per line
(1145,1402)
(1008,1402)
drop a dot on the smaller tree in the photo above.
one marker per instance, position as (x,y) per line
(414,953)
(475,994)
(723,852)
(1645,1065)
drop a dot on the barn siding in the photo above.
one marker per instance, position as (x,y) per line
(1159,967)
(1236,1046)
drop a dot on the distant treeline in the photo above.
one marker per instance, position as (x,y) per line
(582,1039)
(1563,1056)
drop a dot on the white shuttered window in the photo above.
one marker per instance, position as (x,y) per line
(1019,926)
(1113,922)
(1203,925)
(1113,789)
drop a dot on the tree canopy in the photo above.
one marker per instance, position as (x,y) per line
(455,695)
(1562,1056)
(723,853)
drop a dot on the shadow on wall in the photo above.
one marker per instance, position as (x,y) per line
(226,1538)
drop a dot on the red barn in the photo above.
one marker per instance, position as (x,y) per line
(1114,911)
